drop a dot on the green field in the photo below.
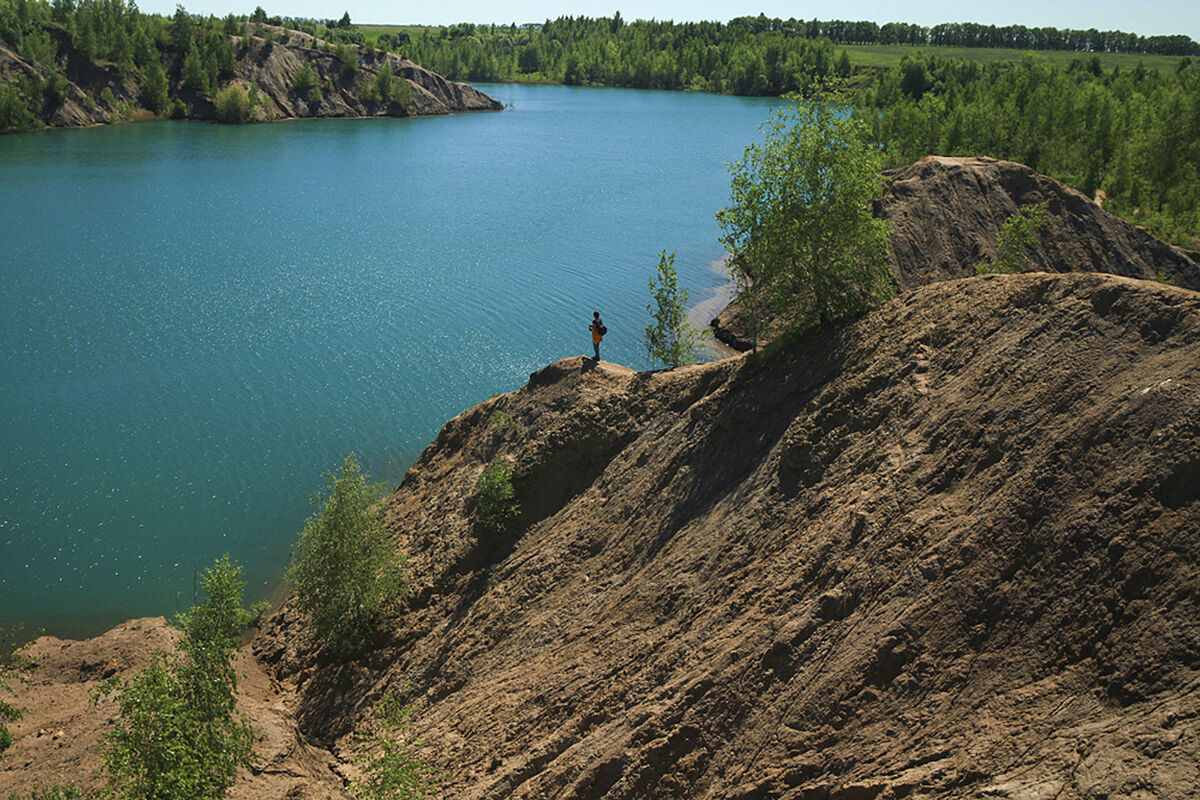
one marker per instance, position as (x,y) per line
(887,55)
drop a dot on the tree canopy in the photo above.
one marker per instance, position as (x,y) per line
(799,225)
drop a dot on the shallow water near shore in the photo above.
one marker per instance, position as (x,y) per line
(198,321)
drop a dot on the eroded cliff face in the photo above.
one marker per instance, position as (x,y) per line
(947,550)
(947,215)
(270,68)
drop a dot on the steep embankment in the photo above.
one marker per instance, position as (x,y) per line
(946,550)
(271,68)
(947,214)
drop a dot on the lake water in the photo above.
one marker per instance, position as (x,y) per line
(198,321)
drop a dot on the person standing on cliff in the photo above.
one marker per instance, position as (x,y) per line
(598,330)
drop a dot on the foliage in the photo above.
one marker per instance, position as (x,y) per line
(349,58)
(10,664)
(305,79)
(177,737)
(233,104)
(385,83)
(349,575)
(671,339)
(193,70)
(502,420)
(392,768)
(154,88)
(798,226)
(221,618)
(1017,237)
(1133,133)
(402,94)
(15,113)
(497,503)
(55,792)
(748,55)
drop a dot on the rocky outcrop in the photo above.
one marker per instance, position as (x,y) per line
(273,70)
(947,214)
(947,550)
(98,94)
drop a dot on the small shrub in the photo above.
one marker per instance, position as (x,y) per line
(671,339)
(349,58)
(305,79)
(1017,238)
(384,83)
(233,104)
(10,665)
(504,421)
(349,575)
(392,769)
(497,498)
(15,114)
(177,736)
(402,93)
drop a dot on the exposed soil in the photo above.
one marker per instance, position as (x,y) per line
(946,550)
(57,741)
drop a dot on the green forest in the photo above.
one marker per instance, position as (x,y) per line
(1132,133)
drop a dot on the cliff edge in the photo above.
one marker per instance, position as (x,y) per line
(947,550)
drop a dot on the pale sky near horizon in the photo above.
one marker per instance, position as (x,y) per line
(1149,17)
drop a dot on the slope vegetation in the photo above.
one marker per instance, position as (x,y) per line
(946,550)
(947,214)
(96,93)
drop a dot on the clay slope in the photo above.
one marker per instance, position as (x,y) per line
(271,68)
(58,739)
(947,214)
(947,550)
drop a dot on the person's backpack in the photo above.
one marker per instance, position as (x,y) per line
(603,330)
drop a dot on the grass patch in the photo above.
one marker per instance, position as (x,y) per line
(890,55)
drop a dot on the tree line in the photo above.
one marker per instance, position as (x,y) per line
(747,56)
(972,34)
(1133,134)
(696,56)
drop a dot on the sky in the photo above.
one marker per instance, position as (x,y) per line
(1148,17)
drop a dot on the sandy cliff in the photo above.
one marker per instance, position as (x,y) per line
(946,550)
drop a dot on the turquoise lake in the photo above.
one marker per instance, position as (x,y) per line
(198,321)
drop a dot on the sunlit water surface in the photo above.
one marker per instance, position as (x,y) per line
(198,321)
